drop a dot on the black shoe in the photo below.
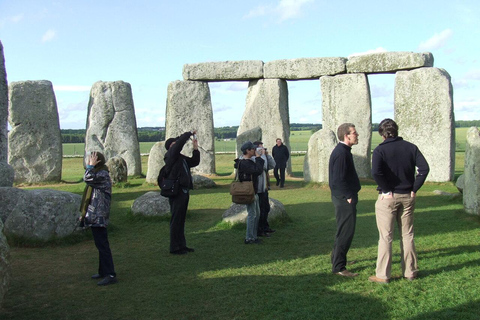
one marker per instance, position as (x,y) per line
(189,249)
(282,186)
(108,280)
(263,234)
(278,182)
(97,276)
(179,251)
(270,230)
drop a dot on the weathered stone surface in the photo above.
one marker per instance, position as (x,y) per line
(155,162)
(320,146)
(388,62)
(224,70)
(3,108)
(251,135)
(40,214)
(151,204)
(304,68)
(7,175)
(471,190)
(4,263)
(111,124)
(118,169)
(35,142)
(423,106)
(267,108)
(237,213)
(346,98)
(189,108)
(201,182)
(460,184)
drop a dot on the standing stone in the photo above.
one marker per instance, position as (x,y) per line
(251,135)
(4,264)
(3,108)
(189,108)
(320,146)
(346,98)
(304,68)
(267,108)
(155,162)
(118,169)
(424,111)
(7,175)
(35,142)
(471,187)
(111,124)
(388,62)
(224,70)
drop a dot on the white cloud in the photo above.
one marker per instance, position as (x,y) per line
(72,88)
(289,9)
(17,18)
(437,41)
(49,35)
(377,50)
(285,9)
(313,112)
(473,75)
(238,86)
(257,12)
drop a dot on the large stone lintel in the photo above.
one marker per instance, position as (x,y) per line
(224,71)
(388,62)
(304,68)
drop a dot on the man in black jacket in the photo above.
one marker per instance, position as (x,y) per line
(281,154)
(344,185)
(178,166)
(394,164)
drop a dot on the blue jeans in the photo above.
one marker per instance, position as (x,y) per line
(253,210)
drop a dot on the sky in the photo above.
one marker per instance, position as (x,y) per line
(76,43)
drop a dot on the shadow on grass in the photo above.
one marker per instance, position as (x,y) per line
(466,311)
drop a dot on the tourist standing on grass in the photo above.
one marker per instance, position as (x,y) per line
(250,166)
(264,229)
(178,167)
(344,186)
(95,209)
(281,154)
(394,164)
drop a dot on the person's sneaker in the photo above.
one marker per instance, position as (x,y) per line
(252,241)
(179,251)
(378,280)
(346,273)
(97,276)
(263,234)
(108,280)
(270,230)
(189,249)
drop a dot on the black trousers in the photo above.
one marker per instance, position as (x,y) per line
(280,178)
(105,265)
(264,210)
(178,209)
(346,216)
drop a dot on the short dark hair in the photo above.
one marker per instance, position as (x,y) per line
(344,129)
(388,128)
(101,160)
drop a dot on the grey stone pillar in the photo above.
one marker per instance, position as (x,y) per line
(3,108)
(320,146)
(189,107)
(267,108)
(155,161)
(471,188)
(35,142)
(346,98)
(111,124)
(424,114)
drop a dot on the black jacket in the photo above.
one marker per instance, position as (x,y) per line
(342,176)
(281,155)
(178,165)
(394,164)
(249,170)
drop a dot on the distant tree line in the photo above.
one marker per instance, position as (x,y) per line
(153,134)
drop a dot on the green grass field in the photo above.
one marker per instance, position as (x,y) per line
(286,277)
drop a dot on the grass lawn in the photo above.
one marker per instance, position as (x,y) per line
(286,277)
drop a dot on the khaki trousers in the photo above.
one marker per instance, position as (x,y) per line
(399,208)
